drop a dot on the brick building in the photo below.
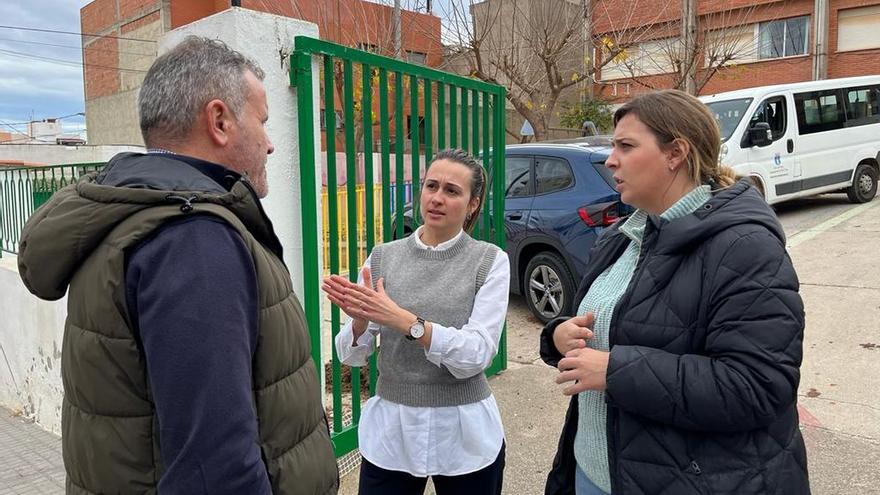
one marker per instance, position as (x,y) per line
(768,42)
(119,44)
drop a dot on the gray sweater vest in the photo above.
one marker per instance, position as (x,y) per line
(439,286)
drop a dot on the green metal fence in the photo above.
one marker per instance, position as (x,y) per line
(445,110)
(23,190)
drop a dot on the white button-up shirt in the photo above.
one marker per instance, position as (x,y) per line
(449,441)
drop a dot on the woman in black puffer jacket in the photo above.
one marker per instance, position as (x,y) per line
(683,357)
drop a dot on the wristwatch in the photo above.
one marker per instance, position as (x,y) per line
(417,329)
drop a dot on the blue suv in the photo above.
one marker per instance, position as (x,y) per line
(558,198)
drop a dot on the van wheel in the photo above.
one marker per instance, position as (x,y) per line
(864,186)
(549,289)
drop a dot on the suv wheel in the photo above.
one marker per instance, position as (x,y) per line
(548,287)
(864,186)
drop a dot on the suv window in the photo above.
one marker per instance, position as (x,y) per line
(605,172)
(552,174)
(518,175)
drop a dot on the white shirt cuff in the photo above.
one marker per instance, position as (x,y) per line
(440,339)
(366,338)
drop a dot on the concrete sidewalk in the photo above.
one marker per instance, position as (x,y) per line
(30,458)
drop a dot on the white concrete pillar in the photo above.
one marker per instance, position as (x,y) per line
(268,40)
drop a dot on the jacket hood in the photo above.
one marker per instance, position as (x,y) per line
(738,204)
(67,229)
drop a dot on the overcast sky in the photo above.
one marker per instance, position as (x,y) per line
(41,72)
(37,80)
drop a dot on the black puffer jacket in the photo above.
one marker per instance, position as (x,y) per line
(706,345)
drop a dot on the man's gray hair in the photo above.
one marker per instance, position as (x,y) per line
(182,81)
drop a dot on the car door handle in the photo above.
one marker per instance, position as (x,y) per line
(790,145)
(517,215)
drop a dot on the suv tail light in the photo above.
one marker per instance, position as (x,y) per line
(600,214)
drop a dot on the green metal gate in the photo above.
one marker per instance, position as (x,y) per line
(445,110)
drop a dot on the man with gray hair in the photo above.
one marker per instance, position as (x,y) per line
(186,360)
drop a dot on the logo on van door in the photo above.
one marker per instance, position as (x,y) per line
(777,159)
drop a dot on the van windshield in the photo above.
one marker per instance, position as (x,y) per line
(729,113)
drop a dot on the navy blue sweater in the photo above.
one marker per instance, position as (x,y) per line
(192,292)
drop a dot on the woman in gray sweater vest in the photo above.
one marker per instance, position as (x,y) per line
(438,299)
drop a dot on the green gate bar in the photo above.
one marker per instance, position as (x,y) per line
(429,126)
(441,116)
(333,226)
(453,116)
(415,149)
(398,151)
(369,207)
(464,120)
(431,123)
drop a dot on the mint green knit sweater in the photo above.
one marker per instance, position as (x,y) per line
(591,441)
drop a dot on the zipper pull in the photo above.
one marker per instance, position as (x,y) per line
(696,467)
(186,207)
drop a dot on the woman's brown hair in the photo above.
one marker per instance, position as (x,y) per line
(673,114)
(478,178)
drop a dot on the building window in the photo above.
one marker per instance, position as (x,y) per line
(858,29)
(409,127)
(417,57)
(340,119)
(783,38)
(368,47)
(643,59)
(738,44)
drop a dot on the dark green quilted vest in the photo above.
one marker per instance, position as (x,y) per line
(110,435)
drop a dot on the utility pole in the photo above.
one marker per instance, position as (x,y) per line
(820,49)
(689,48)
(395,21)
(588,49)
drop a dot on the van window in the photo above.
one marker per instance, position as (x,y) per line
(728,114)
(772,111)
(819,111)
(862,106)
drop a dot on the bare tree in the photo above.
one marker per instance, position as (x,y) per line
(692,50)
(540,51)
(375,30)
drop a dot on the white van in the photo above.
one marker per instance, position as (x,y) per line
(805,138)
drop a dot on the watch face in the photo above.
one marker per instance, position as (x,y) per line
(417,330)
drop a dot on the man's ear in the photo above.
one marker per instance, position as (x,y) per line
(218,121)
